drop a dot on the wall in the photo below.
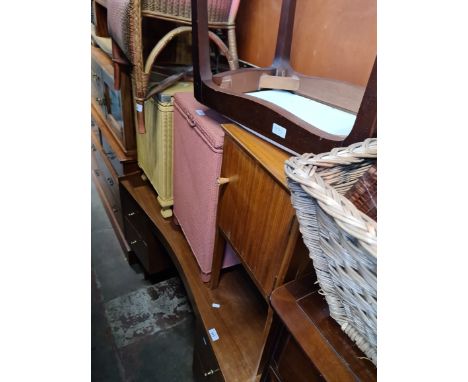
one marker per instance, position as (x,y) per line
(332,38)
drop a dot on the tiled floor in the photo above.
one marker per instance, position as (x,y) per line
(140,331)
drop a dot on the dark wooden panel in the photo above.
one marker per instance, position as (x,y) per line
(305,315)
(140,236)
(205,365)
(335,39)
(255,215)
(100,12)
(294,366)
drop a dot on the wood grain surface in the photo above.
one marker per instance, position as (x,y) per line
(334,39)
(255,215)
(270,157)
(305,314)
(240,320)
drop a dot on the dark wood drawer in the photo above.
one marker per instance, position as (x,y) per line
(141,236)
(138,245)
(205,365)
(134,214)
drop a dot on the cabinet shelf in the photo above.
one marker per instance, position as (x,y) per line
(305,314)
(242,316)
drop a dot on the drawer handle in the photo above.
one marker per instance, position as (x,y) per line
(93,147)
(100,101)
(110,181)
(131,214)
(133,242)
(222,181)
(95,76)
(96,172)
(211,372)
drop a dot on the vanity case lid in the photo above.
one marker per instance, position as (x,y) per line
(206,122)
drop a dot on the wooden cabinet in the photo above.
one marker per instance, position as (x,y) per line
(109,162)
(255,214)
(116,106)
(307,344)
(106,181)
(142,237)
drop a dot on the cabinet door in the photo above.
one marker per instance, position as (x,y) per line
(142,238)
(255,214)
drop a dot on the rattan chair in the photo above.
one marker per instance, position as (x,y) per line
(125,28)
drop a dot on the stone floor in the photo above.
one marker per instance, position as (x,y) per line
(139,331)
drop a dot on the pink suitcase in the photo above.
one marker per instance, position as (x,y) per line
(198,152)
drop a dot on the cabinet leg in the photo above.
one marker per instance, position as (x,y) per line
(218,257)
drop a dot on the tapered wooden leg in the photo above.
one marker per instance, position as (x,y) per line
(218,257)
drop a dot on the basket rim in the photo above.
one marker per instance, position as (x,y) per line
(303,170)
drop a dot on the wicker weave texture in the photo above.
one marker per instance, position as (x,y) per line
(218,10)
(154,149)
(342,241)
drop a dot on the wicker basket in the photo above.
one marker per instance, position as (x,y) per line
(341,239)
